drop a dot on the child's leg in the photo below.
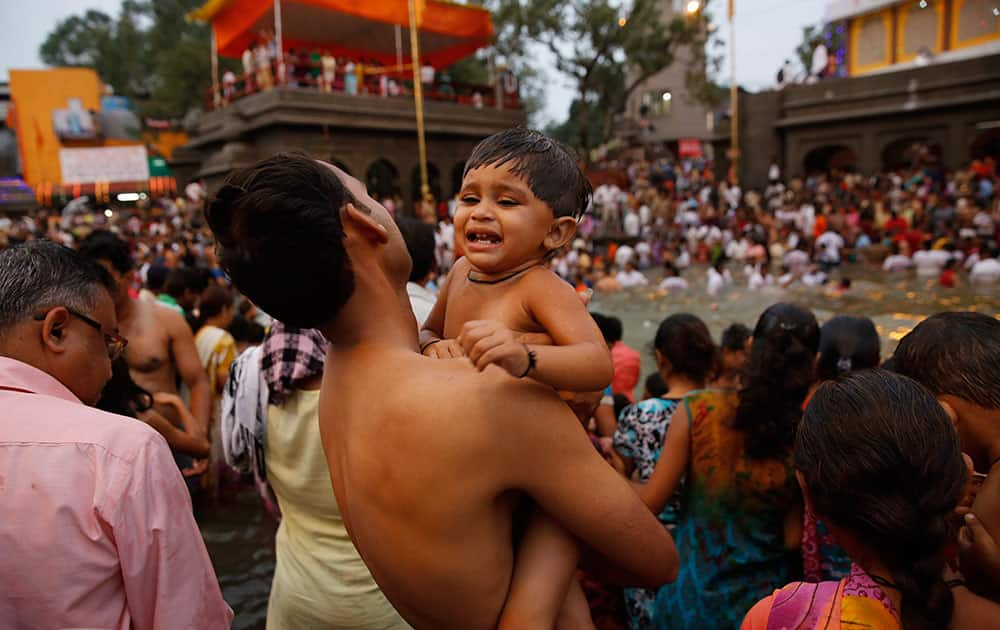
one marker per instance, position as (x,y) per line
(543,573)
(575,614)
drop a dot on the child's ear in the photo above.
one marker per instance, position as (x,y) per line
(560,233)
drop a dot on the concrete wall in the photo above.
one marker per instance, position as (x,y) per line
(944,104)
(354,130)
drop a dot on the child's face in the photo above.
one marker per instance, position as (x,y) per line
(499,223)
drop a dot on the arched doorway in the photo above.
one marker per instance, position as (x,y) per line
(433,181)
(382,179)
(828,158)
(456,178)
(910,152)
(986,144)
(340,165)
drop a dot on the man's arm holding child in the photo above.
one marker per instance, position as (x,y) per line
(554,461)
(579,361)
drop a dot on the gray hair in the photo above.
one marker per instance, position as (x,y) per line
(40,275)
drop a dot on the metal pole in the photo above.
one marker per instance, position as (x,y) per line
(418,99)
(216,100)
(280,52)
(399,48)
(734,99)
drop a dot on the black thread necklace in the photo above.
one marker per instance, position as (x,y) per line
(469,277)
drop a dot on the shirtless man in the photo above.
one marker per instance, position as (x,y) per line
(161,346)
(427,489)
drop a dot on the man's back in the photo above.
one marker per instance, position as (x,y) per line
(386,446)
(97,529)
(428,485)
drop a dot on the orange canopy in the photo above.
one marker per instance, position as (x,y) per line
(361,29)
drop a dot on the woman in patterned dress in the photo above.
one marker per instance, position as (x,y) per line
(685,356)
(740,523)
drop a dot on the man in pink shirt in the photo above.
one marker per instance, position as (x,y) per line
(96,528)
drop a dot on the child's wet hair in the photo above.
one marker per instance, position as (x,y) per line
(549,168)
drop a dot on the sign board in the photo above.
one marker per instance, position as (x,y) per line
(104,164)
(74,122)
(689,147)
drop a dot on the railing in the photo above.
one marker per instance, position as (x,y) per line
(378,84)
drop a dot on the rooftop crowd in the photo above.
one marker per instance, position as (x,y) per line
(786,475)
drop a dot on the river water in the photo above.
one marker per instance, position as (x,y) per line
(240,535)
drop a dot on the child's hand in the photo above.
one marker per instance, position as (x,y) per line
(444,349)
(489,342)
(165,398)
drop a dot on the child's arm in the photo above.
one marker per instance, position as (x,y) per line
(432,342)
(580,360)
(544,571)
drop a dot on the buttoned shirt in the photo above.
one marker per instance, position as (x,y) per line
(96,527)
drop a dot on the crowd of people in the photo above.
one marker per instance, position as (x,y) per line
(786,476)
(672,215)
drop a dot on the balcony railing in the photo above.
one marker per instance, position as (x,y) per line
(383,85)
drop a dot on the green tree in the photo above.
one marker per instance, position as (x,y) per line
(150,53)
(608,49)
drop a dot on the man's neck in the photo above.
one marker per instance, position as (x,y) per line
(376,314)
(125,310)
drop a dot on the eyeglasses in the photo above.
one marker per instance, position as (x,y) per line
(114,342)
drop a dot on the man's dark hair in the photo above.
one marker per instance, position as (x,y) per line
(281,240)
(549,168)
(655,385)
(419,238)
(734,338)
(954,353)
(40,275)
(183,279)
(611,327)
(156,278)
(103,245)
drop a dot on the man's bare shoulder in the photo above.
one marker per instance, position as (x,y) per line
(476,395)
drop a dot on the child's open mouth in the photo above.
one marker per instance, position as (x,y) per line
(483,239)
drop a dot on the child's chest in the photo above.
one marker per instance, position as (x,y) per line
(469,301)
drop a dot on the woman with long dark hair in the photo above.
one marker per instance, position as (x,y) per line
(741,511)
(847,344)
(878,459)
(685,356)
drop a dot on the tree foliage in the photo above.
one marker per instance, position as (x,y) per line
(150,53)
(606,48)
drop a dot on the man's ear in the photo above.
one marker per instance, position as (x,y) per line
(54,330)
(560,233)
(361,222)
(948,408)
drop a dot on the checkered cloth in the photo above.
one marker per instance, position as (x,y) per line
(265,375)
(290,356)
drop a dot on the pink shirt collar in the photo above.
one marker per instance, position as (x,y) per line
(19,376)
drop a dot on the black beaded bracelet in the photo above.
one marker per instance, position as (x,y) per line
(532,360)
(954,583)
(429,344)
